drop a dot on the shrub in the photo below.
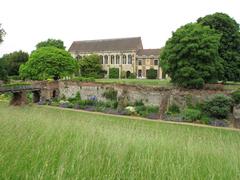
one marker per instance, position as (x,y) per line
(152,109)
(151,74)
(132,76)
(146,110)
(114,73)
(139,103)
(191,115)
(236,97)
(110,94)
(111,104)
(173,109)
(218,106)
(75,99)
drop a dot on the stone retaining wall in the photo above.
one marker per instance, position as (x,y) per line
(157,96)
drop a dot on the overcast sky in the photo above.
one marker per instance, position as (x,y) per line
(29,21)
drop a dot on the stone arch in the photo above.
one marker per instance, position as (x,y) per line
(36,96)
(128,73)
(55,93)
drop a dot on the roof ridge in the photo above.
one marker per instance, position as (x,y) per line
(111,39)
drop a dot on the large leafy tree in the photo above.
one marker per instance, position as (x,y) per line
(13,61)
(2,33)
(191,57)
(51,42)
(90,66)
(229,48)
(3,72)
(48,62)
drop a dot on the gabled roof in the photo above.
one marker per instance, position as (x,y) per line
(148,52)
(133,43)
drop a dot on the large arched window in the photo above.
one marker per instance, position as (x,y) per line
(112,59)
(124,59)
(129,59)
(105,59)
(101,59)
(155,62)
(117,59)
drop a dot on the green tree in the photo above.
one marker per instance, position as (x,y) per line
(13,61)
(190,57)
(229,49)
(48,62)
(3,72)
(51,42)
(90,66)
(2,33)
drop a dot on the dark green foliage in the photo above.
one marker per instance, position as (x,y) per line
(236,97)
(110,94)
(138,103)
(229,48)
(84,79)
(146,110)
(151,74)
(90,67)
(218,106)
(173,109)
(57,43)
(48,62)
(188,78)
(2,33)
(132,76)
(114,73)
(13,61)
(190,57)
(3,72)
(191,115)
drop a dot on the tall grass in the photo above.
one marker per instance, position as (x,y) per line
(44,143)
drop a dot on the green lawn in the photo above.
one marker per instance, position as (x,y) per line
(143,82)
(45,143)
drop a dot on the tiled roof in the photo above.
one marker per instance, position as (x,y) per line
(133,43)
(148,52)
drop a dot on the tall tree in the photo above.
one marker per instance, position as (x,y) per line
(51,42)
(191,57)
(3,72)
(229,48)
(90,66)
(2,33)
(48,62)
(13,61)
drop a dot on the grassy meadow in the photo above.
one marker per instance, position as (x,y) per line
(45,143)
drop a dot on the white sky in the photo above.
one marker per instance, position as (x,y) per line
(28,22)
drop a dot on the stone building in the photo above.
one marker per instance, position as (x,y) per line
(127,54)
